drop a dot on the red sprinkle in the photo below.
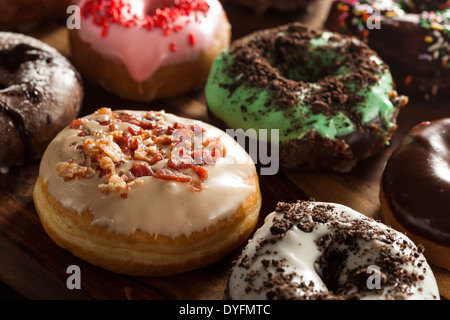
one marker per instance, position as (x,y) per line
(192,39)
(173,47)
(106,12)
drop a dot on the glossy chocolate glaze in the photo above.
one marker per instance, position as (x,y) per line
(416,181)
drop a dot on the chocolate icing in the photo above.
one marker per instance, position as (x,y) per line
(416,181)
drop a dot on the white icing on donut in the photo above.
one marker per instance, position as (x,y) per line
(291,264)
(153,205)
(143,52)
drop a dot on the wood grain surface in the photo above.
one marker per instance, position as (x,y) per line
(35,267)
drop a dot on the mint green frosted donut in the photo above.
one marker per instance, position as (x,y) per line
(330,96)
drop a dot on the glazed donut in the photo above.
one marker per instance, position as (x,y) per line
(415,186)
(146,192)
(325,251)
(40,94)
(27,14)
(331,98)
(160,51)
(411,36)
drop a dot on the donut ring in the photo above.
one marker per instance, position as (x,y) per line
(410,36)
(40,93)
(137,192)
(120,53)
(324,251)
(415,201)
(331,98)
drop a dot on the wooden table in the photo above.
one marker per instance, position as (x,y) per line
(33,266)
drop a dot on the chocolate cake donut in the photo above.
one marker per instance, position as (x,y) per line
(40,94)
(411,36)
(330,97)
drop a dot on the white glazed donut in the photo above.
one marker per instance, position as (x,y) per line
(315,250)
(146,193)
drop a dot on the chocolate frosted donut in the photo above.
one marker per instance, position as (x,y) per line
(324,251)
(330,96)
(40,93)
(415,189)
(411,36)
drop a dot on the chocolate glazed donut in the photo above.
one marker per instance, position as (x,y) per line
(415,188)
(40,93)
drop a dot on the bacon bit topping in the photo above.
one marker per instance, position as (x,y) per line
(201,172)
(84,133)
(167,173)
(69,171)
(196,186)
(141,141)
(106,12)
(77,123)
(141,170)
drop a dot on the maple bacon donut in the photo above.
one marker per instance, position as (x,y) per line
(415,188)
(325,251)
(145,50)
(146,193)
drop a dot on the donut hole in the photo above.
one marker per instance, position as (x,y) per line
(331,269)
(296,61)
(343,265)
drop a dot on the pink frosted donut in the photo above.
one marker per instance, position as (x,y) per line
(149,49)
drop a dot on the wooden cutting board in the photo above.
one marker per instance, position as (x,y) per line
(36,268)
